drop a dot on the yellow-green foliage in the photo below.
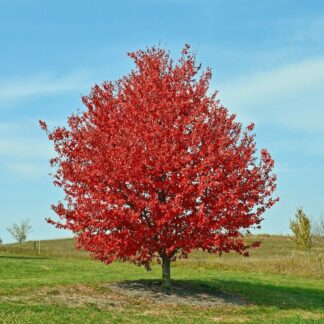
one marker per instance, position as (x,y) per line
(302,230)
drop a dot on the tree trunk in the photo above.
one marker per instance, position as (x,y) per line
(166,273)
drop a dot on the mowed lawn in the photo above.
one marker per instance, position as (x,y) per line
(278,284)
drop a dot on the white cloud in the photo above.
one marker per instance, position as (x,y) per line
(19,88)
(34,170)
(25,148)
(25,157)
(6,127)
(291,95)
(22,154)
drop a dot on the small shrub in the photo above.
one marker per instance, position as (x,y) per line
(302,230)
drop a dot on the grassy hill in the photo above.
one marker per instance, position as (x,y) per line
(276,284)
(277,254)
(58,248)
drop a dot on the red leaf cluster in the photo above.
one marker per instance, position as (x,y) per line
(156,166)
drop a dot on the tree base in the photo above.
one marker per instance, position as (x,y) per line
(166,272)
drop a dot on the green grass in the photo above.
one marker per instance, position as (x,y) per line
(64,286)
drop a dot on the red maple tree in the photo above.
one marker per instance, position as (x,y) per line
(155,167)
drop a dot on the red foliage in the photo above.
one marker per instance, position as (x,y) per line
(156,166)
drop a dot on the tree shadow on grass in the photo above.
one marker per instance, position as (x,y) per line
(282,297)
(181,292)
(23,257)
(225,292)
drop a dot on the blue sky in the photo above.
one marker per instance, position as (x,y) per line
(267,59)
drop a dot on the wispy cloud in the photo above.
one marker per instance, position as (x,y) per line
(30,170)
(18,88)
(24,152)
(23,155)
(291,95)
(17,148)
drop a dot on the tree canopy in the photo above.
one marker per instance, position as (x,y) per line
(155,166)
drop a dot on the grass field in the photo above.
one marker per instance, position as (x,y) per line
(278,284)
